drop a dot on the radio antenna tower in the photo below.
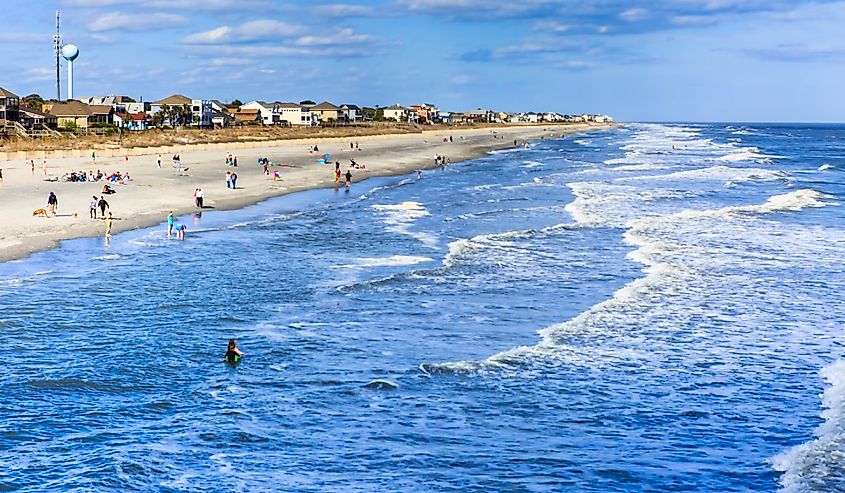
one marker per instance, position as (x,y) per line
(57,44)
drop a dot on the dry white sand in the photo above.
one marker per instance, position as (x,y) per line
(146,200)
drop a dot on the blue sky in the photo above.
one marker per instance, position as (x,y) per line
(694,60)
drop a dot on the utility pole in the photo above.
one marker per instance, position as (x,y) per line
(57,45)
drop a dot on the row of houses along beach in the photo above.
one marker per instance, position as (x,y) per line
(31,116)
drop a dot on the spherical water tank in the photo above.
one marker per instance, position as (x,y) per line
(70,52)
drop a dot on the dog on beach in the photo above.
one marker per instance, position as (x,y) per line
(40,212)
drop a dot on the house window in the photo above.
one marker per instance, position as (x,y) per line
(196,108)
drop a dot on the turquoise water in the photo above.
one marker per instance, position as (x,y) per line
(596,313)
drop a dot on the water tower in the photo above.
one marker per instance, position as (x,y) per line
(70,52)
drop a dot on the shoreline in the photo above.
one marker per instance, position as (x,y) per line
(145,201)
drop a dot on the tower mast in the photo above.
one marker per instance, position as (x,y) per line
(57,44)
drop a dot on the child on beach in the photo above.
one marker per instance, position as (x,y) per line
(276,175)
(108,225)
(170,224)
(180,231)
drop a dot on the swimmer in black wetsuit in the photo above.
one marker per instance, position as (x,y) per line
(233,354)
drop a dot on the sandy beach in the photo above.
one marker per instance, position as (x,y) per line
(152,192)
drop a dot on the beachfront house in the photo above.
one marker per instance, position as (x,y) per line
(71,114)
(426,113)
(479,115)
(33,119)
(444,117)
(268,116)
(200,110)
(397,113)
(248,116)
(118,103)
(327,112)
(9,107)
(351,113)
(132,121)
(101,115)
(294,114)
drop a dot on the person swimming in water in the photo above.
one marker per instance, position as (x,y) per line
(233,354)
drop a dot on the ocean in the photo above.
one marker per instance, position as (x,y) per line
(657,307)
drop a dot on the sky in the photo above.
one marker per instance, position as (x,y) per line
(657,60)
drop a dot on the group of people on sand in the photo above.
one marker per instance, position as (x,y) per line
(90,176)
(231,160)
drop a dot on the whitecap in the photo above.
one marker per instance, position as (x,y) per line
(817,465)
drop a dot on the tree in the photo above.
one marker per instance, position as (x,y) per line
(33,101)
(236,102)
(307,101)
(127,99)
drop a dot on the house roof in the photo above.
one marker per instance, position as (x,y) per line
(349,107)
(325,106)
(136,116)
(176,99)
(35,112)
(289,105)
(100,109)
(71,108)
(247,115)
(4,93)
(396,107)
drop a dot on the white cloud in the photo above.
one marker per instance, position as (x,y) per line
(342,10)
(191,5)
(342,37)
(135,22)
(553,26)
(633,15)
(250,31)
(218,35)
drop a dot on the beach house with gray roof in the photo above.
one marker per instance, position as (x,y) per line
(294,114)
(9,107)
(327,111)
(396,112)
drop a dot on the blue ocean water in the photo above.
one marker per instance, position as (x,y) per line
(657,307)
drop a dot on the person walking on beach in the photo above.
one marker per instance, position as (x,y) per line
(44,166)
(158,161)
(228,179)
(92,207)
(103,205)
(108,225)
(266,169)
(52,203)
(234,180)
(348,178)
(32,165)
(200,197)
(170,224)
(337,175)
